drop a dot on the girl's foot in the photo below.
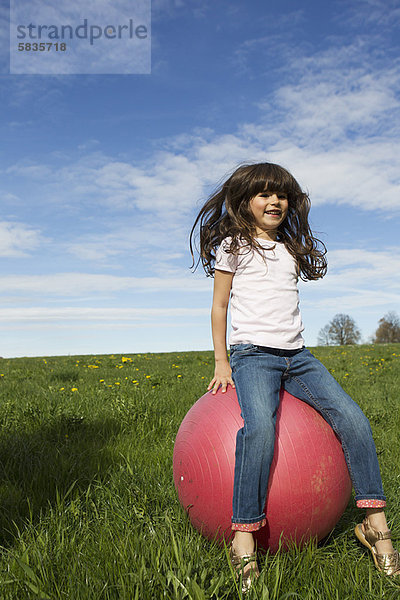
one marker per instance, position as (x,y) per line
(244,560)
(246,568)
(386,559)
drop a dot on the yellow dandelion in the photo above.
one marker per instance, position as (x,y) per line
(101,380)
(74,389)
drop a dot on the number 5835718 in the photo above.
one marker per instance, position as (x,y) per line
(42,46)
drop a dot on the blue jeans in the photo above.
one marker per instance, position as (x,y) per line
(259,373)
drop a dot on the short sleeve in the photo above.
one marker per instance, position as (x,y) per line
(225,261)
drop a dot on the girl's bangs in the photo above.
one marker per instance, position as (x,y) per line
(271,178)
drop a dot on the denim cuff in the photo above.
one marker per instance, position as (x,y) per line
(249,526)
(370,503)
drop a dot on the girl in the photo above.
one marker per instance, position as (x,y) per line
(256,241)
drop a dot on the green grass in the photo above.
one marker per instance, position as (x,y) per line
(88,508)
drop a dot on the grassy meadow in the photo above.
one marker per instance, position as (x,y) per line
(88,509)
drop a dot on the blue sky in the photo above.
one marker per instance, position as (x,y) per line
(102,175)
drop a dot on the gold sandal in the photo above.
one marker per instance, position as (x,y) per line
(239,563)
(386,563)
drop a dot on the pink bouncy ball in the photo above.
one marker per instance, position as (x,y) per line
(309,486)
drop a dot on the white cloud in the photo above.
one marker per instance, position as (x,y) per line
(355,300)
(156,248)
(30,170)
(97,314)
(357,279)
(78,284)
(354,268)
(333,104)
(166,184)
(175,8)
(18,239)
(383,14)
(10,198)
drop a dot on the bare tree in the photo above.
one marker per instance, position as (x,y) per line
(341,331)
(324,337)
(388,331)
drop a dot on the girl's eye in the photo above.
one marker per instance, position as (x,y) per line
(280,196)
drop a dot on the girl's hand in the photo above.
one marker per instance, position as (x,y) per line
(222,377)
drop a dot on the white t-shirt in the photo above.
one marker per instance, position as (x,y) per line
(264,296)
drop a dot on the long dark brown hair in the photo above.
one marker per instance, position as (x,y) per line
(227,213)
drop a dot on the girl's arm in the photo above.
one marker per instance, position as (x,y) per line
(222,290)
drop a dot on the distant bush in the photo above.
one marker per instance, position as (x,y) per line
(388,331)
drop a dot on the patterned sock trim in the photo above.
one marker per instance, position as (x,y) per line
(248,526)
(371,503)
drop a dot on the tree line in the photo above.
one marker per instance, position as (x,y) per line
(342,330)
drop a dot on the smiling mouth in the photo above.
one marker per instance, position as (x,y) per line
(274,213)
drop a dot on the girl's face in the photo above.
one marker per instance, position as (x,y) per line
(269,209)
